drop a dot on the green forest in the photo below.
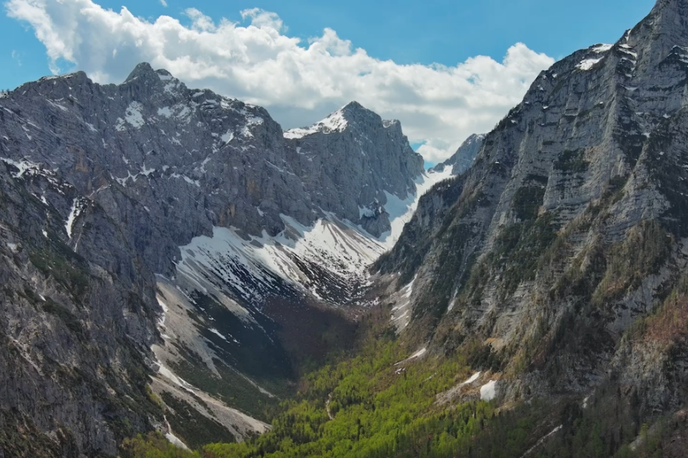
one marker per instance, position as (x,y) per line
(382,405)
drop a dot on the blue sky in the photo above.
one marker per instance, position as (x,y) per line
(405,32)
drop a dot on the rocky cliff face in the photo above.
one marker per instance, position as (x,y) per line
(150,229)
(563,248)
(75,330)
(463,158)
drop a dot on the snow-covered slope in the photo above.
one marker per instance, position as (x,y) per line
(328,260)
(215,306)
(335,122)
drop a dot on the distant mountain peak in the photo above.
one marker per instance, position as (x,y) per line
(670,4)
(142,70)
(351,114)
(337,121)
(353,106)
(463,158)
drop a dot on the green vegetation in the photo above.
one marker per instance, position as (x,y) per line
(154,445)
(377,404)
(67,317)
(367,405)
(65,266)
(518,249)
(527,201)
(643,252)
(231,388)
(199,430)
(572,162)
(379,408)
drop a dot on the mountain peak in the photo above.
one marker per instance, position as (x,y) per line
(670,3)
(463,158)
(353,105)
(671,14)
(338,121)
(668,18)
(145,71)
(354,108)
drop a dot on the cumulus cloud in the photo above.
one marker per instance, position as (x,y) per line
(299,82)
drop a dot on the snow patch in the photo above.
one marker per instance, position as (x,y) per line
(187,179)
(401,211)
(217,333)
(146,171)
(123,181)
(184,113)
(77,207)
(225,260)
(172,377)
(133,115)
(602,48)
(333,123)
(174,440)
(251,122)
(171,87)
(165,111)
(588,64)
(488,391)
(366,212)
(417,354)
(401,312)
(471,379)
(23,166)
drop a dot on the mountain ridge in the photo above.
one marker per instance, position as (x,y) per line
(526,246)
(227,224)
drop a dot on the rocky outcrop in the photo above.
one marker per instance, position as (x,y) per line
(569,228)
(352,161)
(75,330)
(463,158)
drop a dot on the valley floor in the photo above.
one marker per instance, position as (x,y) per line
(379,402)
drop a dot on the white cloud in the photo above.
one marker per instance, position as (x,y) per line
(163,3)
(15,57)
(298,82)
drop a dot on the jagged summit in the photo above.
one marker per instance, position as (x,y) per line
(351,114)
(674,5)
(464,156)
(144,70)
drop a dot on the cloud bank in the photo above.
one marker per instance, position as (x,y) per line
(298,82)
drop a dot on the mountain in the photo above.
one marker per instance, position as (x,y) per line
(152,230)
(562,251)
(463,158)
(173,260)
(535,305)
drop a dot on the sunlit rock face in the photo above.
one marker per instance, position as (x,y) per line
(569,227)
